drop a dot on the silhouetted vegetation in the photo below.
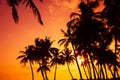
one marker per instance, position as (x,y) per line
(28,3)
(90,35)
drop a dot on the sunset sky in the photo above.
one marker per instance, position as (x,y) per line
(14,37)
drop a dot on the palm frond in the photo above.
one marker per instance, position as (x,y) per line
(15,15)
(13,4)
(44,68)
(21,56)
(35,10)
(61,41)
(22,52)
(24,60)
(75,15)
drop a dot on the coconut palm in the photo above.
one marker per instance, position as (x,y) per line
(68,58)
(28,3)
(42,55)
(68,40)
(27,56)
(57,58)
(86,32)
(111,13)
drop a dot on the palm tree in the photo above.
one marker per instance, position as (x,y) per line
(43,55)
(27,56)
(57,58)
(85,63)
(86,32)
(28,3)
(111,13)
(69,40)
(68,58)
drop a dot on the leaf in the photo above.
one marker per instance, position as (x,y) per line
(75,14)
(44,68)
(21,56)
(61,41)
(15,15)
(24,60)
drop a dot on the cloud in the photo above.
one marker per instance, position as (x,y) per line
(67,3)
(51,9)
(62,4)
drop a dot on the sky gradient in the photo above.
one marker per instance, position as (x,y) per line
(14,37)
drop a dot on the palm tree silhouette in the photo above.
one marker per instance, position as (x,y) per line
(69,38)
(111,13)
(27,56)
(43,55)
(68,58)
(57,58)
(85,32)
(28,3)
(85,63)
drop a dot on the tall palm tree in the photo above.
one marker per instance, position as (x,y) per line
(85,31)
(43,55)
(28,3)
(111,13)
(68,58)
(67,41)
(27,56)
(57,58)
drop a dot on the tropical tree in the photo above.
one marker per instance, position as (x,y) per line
(68,58)
(68,40)
(43,55)
(87,32)
(111,13)
(84,31)
(57,58)
(27,56)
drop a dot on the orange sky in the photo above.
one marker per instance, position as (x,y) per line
(14,37)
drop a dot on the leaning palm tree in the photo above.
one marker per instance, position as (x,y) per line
(68,40)
(68,58)
(27,56)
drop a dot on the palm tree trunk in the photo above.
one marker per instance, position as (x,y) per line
(115,69)
(55,72)
(118,75)
(42,72)
(105,71)
(77,63)
(99,71)
(92,67)
(46,75)
(70,71)
(102,71)
(89,69)
(96,71)
(85,72)
(111,72)
(31,70)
